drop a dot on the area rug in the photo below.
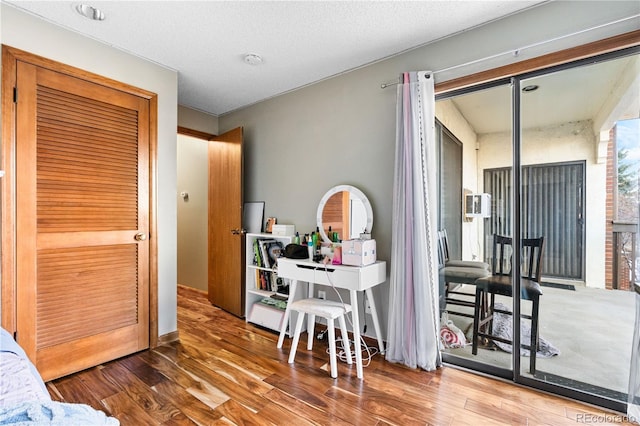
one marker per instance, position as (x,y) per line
(503,327)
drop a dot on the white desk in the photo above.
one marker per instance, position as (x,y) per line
(352,278)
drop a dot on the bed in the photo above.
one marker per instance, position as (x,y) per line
(24,398)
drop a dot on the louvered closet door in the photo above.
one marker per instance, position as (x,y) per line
(82,172)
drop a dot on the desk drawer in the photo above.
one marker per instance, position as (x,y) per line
(343,278)
(291,270)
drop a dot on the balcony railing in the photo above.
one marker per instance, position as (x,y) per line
(624,254)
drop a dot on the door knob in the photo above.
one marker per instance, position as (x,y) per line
(238,231)
(140,236)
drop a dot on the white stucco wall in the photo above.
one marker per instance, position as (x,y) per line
(28,33)
(452,119)
(568,142)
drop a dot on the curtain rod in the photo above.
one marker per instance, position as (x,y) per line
(516,52)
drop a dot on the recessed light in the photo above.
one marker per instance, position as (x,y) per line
(252,59)
(530,88)
(90,12)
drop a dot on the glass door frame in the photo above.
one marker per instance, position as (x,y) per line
(514,374)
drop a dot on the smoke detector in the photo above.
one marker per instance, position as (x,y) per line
(253,59)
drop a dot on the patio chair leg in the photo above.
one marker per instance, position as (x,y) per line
(476,320)
(534,336)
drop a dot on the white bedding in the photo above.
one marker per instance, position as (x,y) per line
(24,399)
(19,380)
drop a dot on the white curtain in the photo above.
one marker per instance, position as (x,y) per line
(413,312)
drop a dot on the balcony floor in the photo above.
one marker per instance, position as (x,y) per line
(592,328)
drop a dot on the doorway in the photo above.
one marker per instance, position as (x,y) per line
(210,234)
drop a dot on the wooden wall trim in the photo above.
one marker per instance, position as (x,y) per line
(153,222)
(560,57)
(168,338)
(7,195)
(195,133)
(50,64)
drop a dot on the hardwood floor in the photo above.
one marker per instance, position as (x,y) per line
(224,371)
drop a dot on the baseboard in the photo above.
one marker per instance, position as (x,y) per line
(168,338)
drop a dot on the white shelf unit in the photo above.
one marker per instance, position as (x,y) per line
(256,312)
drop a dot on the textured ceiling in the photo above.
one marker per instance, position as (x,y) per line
(301,42)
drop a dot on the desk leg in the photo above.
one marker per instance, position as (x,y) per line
(311,326)
(374,315)
(355,319)
(287,312)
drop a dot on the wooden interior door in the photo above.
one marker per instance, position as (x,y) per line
(82,221)
(226,236)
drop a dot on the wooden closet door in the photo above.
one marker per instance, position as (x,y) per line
(82,221)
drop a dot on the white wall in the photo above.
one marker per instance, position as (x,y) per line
(342,130)
(192,213)
(451,118)
(34,35)
(193,177)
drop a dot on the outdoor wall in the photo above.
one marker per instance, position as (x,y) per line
(342,130)
(26,32)
(567,142)
(452,119)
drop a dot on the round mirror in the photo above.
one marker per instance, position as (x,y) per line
(346,210)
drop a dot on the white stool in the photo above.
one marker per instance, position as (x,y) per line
(330,311)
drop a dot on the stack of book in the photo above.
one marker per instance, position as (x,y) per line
(266,252)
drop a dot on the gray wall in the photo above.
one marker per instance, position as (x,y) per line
(342,130)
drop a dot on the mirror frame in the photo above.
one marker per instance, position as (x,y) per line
(354,193)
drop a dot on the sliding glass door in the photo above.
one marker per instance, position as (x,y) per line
(579,155)
(475,128)
(557,153)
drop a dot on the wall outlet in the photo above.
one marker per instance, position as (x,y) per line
(322,294)
(367,307)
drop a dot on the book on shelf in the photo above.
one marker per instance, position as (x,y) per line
(266,280)
(257,258)
(274,251)
(264,251)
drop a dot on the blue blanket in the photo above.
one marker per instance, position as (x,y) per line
(54,413)
(24,399)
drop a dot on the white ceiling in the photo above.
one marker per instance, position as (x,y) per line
(571,95)
(301,42)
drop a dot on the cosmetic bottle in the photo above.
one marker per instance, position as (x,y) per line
(318,240)
(337,255)
(310,247)
(296,239)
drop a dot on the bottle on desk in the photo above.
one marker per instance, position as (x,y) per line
(311,249)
